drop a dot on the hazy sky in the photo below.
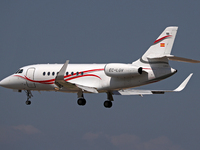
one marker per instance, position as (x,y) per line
(33,32)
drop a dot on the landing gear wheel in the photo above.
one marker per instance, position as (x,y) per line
(81,101)
(28,102)
(107,104)
(29,95)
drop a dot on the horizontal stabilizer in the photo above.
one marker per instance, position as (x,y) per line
(174,58)
(149,92)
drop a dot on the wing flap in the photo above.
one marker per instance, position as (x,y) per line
(89,89)
(132,92)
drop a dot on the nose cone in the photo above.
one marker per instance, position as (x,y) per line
(11,82)
(5,82)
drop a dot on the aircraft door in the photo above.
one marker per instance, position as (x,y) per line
(30,75)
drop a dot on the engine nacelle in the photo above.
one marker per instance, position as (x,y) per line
(122,70)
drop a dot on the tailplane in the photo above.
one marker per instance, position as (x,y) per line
(160,50)
(162,46)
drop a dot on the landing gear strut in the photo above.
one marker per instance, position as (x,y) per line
(29,95)
(108,103)
(81,100)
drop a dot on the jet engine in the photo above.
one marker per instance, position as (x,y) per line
(122,70)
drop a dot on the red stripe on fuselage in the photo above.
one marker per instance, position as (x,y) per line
(92,70)
(86,75)
(70,77)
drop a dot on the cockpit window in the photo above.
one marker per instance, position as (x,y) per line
(19,71)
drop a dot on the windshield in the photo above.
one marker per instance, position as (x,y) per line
(19,71)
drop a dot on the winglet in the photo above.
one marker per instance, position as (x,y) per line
(183,84)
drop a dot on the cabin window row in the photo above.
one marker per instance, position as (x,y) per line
(67,73)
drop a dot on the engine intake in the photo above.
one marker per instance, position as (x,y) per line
(122,70)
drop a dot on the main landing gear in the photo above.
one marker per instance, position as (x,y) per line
(29,95)
(81,100)
(108,103)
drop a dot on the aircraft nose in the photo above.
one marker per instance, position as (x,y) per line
(12,82)
(5,82)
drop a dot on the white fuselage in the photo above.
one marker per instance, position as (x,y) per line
(42,77)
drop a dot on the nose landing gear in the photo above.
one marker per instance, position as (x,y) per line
(29,95)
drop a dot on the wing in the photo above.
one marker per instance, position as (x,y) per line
(60,81)
(148,92)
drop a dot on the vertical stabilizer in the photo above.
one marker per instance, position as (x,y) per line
(162,46)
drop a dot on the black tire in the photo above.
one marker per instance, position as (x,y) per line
(28,102)
(107,104)
(81,101)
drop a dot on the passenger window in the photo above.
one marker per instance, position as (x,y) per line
(67,73)
(77,73)
(53,73)
(72,73)
(81,73)
(44,73)
(48,73)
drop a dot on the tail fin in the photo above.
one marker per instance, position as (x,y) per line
(162,46)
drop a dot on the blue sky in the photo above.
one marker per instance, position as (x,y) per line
(34,32)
